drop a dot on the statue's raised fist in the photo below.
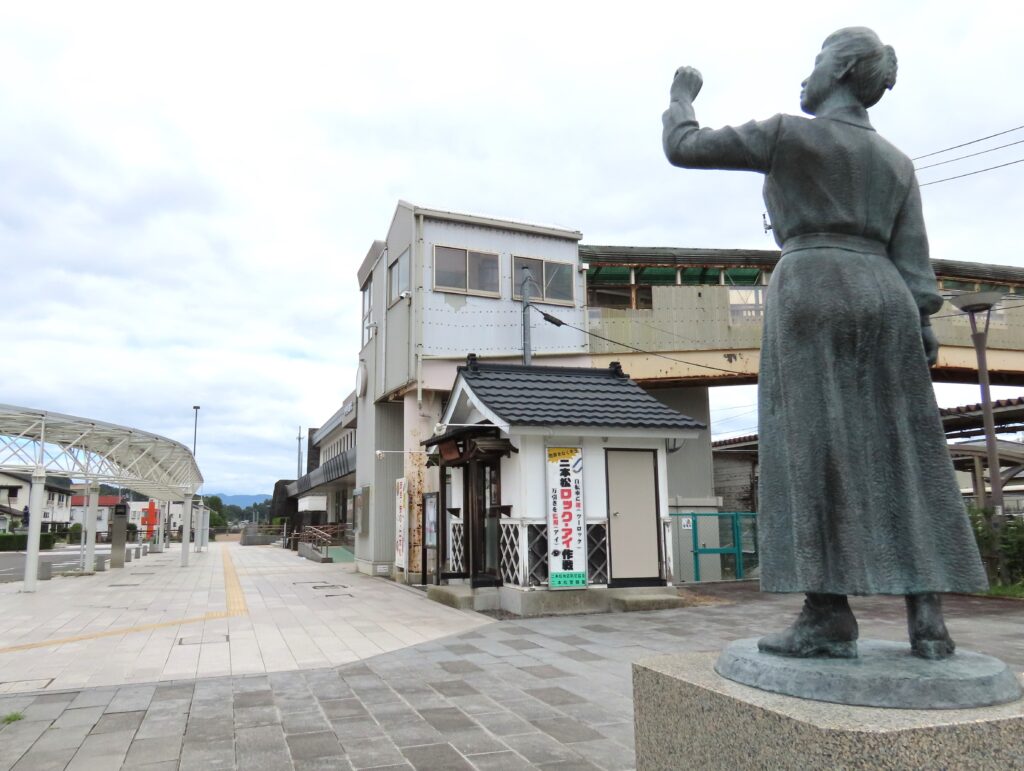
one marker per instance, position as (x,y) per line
(687,84)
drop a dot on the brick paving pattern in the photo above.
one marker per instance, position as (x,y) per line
(549,693)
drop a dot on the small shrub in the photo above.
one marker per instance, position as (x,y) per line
(19,541)
(1008,544)
(12,717)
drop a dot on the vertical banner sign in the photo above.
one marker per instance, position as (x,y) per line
(401,524)
(567,527)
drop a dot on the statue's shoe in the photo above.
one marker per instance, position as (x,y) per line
(826,627)
(933,649)
(929,638)
(806,646)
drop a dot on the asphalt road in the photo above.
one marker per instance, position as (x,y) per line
(12,564)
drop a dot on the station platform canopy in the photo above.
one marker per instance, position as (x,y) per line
(88,450)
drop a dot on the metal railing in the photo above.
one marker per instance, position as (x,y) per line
(737,529)
(322,537)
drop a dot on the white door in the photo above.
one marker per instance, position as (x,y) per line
(633,516)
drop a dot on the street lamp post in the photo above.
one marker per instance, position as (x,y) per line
(202,528)
(973,304)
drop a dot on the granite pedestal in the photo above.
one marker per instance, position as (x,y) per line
(688,716)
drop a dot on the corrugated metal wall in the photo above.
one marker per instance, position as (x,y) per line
(456,324)
(389,430)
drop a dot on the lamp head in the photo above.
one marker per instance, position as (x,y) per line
(976,302)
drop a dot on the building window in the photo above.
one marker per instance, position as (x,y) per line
(464,270)
(367,310)
(398,277)
(552,281)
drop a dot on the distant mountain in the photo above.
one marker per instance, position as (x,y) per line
(243,500)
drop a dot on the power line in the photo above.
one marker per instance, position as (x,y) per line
(735,417)
(972,173)
(559,323)
(970,155)
(964,144)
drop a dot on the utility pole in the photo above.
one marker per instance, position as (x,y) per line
(527,278)
(298,467)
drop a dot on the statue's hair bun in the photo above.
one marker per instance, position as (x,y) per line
(873,67)
(888,67)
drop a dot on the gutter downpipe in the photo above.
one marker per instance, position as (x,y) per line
(418,298)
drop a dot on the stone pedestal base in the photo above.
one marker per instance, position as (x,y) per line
(688,716)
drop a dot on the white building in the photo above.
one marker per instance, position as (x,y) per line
(439,286)
(14,493)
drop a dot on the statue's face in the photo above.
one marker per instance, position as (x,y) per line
(820,82)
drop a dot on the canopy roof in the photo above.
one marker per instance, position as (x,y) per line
(91,450)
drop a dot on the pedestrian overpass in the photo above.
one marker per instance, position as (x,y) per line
(696,315)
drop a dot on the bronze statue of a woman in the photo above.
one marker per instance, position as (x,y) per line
(857,493)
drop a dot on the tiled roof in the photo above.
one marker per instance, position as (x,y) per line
(972,409)
(1008,413)
(735,440)
(568,396)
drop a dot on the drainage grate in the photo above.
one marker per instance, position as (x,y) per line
(331,586)
(337,595)
(198,639)
(138,584)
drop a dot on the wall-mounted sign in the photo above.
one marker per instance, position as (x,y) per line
(430,520)
(360,507)
(401,524)
(567,526)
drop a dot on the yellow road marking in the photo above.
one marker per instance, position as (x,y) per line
(233,589)
(236,606)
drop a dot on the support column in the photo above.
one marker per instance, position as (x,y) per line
(92,507)
(35,516)
(158,536)
(980,494)
(186,529)
(206,528)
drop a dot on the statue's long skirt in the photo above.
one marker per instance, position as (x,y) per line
(857,493)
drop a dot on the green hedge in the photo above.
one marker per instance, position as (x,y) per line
(19,541)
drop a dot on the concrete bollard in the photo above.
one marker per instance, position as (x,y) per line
(138,552)
(45,571)
(101,563)
(127,555)
(145,549)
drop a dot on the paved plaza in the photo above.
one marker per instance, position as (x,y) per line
(253,658)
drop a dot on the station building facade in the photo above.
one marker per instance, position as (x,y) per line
(439,286)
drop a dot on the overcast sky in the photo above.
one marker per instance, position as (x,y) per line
(188,188)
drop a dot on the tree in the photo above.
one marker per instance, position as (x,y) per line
(214,503)
(217,519)
(232,512)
